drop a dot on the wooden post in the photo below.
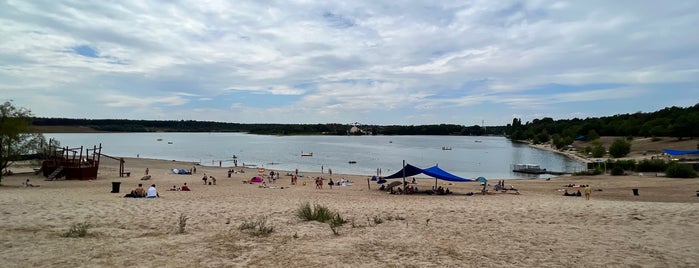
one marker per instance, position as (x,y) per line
(368,184)
(404,186)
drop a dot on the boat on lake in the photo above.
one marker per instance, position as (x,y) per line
(307,154)
(446,148)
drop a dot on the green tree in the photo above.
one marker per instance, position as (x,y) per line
(592,135)
(676,170)
(619,148)
(598,151)
(15,137)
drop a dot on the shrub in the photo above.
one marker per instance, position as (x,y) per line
(625,164)
(617,171)
(259,227)
(316,213)
(77,230)
(676,170)
(655,165)
(335,222)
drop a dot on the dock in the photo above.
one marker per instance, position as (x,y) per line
(535,169)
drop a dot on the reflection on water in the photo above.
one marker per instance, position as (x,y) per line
(469,157)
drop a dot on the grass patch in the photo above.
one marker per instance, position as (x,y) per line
(317,213)
(182,223)
(259,227)
(336,222)
(77,230)
(321,213)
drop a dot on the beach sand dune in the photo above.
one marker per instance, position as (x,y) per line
(538,228)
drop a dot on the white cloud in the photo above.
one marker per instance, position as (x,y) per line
(322,61)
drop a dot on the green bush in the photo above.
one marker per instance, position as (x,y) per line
(619,148)
(625,164)
(316,213)
(617,171)
(598,151)
(676,170)
(655,165)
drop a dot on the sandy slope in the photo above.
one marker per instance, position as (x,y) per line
(538,228)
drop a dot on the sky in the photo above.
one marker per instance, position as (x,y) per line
(372,62)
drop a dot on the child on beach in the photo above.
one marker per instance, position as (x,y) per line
(588,191)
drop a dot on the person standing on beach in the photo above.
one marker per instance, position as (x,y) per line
(147,171)
(588,191)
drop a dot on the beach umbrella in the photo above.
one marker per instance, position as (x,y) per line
(481,179)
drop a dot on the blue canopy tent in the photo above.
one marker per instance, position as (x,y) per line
(680,152)
(435,172)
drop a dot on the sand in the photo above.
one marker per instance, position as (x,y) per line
(537,228)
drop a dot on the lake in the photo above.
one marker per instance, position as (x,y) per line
(469,156)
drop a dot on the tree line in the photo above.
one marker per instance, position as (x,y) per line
(673,121)
(126,125)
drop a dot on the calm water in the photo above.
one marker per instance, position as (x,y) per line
(470,157)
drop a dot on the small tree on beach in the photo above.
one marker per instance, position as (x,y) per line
(15,138)
(619,148)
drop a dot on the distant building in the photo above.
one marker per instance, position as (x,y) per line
(355,130)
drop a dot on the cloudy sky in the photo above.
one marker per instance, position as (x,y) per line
(373,62)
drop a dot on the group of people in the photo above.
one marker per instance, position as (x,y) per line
(587,190)
(501,187)
(441,190)
(399,190)
(183,188)
(341,182)
(139,192)
(233,171)
(206,179)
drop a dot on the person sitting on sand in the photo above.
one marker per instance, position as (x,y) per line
(185,187)
(152,192)
(174,188)
(565,193)
(263,185)
(138,192)
(28,184)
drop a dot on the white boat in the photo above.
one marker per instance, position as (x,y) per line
(446,148)
(307,154)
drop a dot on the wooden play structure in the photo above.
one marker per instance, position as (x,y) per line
(71,164)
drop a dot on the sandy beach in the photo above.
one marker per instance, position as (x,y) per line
(537,228)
